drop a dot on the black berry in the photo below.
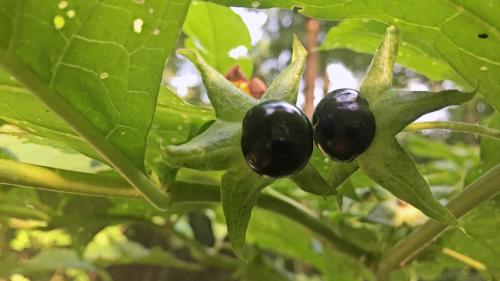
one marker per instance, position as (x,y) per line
(277,139)
(343,124)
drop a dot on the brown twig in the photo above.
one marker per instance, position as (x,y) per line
(312,64)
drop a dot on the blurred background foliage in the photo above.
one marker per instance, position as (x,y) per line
(51,236)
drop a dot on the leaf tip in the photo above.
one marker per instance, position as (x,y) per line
(299,51)
(189,54)
(393,30)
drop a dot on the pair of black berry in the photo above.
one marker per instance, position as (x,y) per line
(277,137)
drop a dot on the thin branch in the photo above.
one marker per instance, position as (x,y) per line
(455,126)
(312,64)
(27,175)
(403,252)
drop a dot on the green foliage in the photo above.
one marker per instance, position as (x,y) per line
(203,27)
(114,92)
(364,36)
(451,29)
(266,231)
(80,91)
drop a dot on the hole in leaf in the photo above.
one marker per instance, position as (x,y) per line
(483,35)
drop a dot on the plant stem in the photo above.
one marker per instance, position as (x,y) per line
(312,64)
(84,128)
(403,252)
(27,175)
(455,126)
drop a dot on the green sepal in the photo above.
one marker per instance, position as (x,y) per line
(396,109)
(217,148)
(286,85)
(229,102)
(309,180)
(389,165)
(340,172)
(161,174)
(240,190)
(378,78)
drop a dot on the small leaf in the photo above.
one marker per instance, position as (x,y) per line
(229,102)
(378,79)
(240,189)
(389,165)
(286,85)
(215,149)
(203,26)
(396,109)
(309,180)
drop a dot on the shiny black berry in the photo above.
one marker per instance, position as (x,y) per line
(343,124)
(277,139)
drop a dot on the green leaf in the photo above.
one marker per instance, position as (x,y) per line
(18,106)
(364,36)
(88,69)
(229,102)
(450,28)
(240,189)
(29,148)
(286,85)
(173,122)
(389,165)
(214,31)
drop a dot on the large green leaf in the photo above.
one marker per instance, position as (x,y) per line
(106,61)
(364,36)
(21,108)
(174,120)
(214,31)
(450,28)
(98,65)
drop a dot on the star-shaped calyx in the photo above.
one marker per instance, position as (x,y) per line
(218,147)
(385,161)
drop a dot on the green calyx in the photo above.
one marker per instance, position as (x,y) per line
(385,161)
(218,147)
